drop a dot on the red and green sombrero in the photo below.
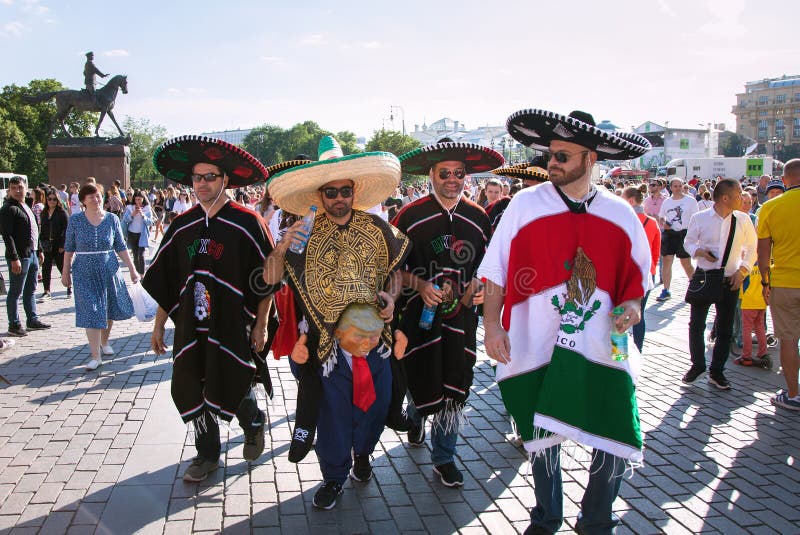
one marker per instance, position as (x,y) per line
(476,158)
(176,157)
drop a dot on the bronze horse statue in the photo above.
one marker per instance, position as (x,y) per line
(81,101)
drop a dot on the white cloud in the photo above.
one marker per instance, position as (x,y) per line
(13,29)
(315,39)
(195,90)
(7,2)
(270,59)
(116,53)
(174,91)
(369,45)
(34,7)
(666,8)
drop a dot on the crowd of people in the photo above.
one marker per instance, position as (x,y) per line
(376,300)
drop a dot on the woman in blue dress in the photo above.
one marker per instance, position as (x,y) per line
(101,297)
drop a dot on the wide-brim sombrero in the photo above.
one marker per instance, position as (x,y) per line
(284,166)
(523,171)
(476,158)
(176,157)
(375,176)
(537,128)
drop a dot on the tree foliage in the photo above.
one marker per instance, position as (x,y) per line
(145,138)
(25,128)
(391,141)
(734,145)
(272,144)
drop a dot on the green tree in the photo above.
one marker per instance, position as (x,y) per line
(734,145)
(391,141)
(272,144)
(145,138)
(26,155)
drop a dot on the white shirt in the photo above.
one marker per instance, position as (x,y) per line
(707,230)
(75,204)
(704,204)
(678,212)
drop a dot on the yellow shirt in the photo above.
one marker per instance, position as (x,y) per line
(752,298)
(778,220)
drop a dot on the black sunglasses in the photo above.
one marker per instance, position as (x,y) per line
(563,157)
(331,193)
(208,177)
(444,174)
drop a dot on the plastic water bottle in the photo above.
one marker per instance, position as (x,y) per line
(308,224)
(428,313)
(619,340)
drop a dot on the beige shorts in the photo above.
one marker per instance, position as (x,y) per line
(784,304)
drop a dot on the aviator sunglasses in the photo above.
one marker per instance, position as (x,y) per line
(563,157)
(208,177)
(444,174)
(331,193)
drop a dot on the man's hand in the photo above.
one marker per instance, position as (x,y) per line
(157,339)
(16,267)
(66,279)
(258,336)
(294,234)
(300,351)
(706,254)
(766,291)
(631,315)
(736,280)
(400,344)
(496,343)
(41,258)
(387,312)
(135,277)
(430,295)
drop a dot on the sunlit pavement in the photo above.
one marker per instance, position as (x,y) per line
(103,452)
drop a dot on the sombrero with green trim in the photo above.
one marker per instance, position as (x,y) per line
(375,177)
(537,128)
(176,157)
(476,158)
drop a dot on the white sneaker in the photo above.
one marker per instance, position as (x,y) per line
(94,364)
(107,349)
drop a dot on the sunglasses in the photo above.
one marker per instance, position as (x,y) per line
(564,157)
(208,177)
(332,193)
(444,174)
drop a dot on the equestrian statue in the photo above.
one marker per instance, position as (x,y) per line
(89,99)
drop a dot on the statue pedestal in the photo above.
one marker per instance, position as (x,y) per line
(76,159)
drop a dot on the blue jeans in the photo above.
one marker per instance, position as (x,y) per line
(604,481)
(443,443)
(23,284)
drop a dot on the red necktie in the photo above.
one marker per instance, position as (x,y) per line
(363,389)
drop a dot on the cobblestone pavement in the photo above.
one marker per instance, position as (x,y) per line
(102,452)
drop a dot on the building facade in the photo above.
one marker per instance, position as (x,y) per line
(769,112)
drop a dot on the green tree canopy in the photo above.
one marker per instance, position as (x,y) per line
(272,144)
(734,145)
(25,128)
(392,141)
(145,138)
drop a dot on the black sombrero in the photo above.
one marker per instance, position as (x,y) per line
(537,128)
(524,171)
(284,166)
(175,158)
(476,158)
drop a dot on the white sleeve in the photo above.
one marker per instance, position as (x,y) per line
(692,239)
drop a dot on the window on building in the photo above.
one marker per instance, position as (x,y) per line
(684,143)
(796,97)
(780,127)
(762,129)
(796,127)
(762,113)
(780,99)
(763,99)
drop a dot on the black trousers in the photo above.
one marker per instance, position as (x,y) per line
(137,252)
(207,440)
(726,309)
(50,259)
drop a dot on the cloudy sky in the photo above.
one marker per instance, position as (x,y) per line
(197,66)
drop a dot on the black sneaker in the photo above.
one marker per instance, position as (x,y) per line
(17,330)
(362,470)
(253,443)
(325,498)
(449,474)
(37,325)
(416,435)
(692,375)
(719,380)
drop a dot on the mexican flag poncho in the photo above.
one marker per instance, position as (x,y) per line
(564,267)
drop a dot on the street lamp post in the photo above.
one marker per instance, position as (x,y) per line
(775,141)
(402,114)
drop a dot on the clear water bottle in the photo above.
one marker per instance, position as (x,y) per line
(428,313)
(619,340)
(308,224)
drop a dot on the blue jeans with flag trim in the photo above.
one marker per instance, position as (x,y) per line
(443,443)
